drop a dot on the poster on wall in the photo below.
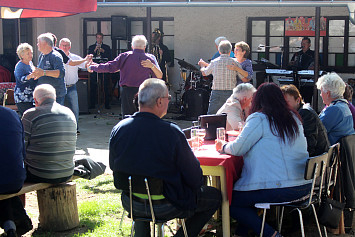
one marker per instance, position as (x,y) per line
(304,26)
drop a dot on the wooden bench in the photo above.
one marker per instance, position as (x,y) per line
(58,210)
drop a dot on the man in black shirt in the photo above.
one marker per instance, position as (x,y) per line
(161,52)
(101,53)
(304,59)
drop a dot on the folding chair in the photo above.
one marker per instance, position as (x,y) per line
(315,167)
(9,100)
(147,186)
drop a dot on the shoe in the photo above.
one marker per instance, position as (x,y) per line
(11,233)
(77,132)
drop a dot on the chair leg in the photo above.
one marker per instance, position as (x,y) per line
(325,231)
(316,218)
(281,218)
(121,222)
(263,223)
(132,228)
(184,227)
(301,222)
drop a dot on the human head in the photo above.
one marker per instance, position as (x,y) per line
(153,96)
(269,100)
(218,40)
(157,35)
(244,47)
(22,48)
(45,42)
(43,92)
(225,47)
(139,42)
(292,96)
(65,45)
(99,37)
(332,87)
(244,94)
(348,93)
(306,43)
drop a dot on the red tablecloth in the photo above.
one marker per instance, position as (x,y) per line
(208,156)
(7,85)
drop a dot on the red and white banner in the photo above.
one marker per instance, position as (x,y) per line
(304,26)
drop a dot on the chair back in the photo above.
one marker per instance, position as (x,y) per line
(211,123)
(138,183)
(315,170)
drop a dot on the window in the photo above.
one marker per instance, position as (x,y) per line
(135,26)
(337,47)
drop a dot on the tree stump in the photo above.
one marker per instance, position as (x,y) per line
(58,210)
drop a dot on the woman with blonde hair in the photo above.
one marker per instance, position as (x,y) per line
(24,85)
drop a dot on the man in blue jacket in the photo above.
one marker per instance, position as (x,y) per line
(144,144)
(12,171)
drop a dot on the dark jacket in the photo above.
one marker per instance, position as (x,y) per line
(146,145)
(106,54)
(347,160)
(314,131)
(12,147)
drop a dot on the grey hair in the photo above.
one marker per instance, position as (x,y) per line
(22,48)
(139,41)
(43,92)
(219,39)
(65,40)
(225,47)
(332,82)
(149,91)
(47,37)
(243,90)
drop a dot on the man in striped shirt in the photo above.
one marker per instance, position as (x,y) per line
(50,138)
(224,80)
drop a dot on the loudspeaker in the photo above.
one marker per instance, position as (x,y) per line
(119,27)
(82,88)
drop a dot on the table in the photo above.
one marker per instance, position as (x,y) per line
(228,168)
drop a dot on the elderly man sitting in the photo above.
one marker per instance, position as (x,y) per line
(336,117)
(50,138)
(237,105)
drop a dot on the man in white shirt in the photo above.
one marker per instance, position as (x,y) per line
(71,76)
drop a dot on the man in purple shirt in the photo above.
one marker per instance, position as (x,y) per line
(135,67)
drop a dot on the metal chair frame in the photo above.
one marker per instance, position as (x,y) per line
(160,223)
(315,167)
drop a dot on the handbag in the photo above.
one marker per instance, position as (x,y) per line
(330,210)
(329,213)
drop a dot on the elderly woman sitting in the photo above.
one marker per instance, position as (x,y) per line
(336,116)
(237,105)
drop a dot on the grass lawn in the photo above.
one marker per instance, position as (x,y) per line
(100,211)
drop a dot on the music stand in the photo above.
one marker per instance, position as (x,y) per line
(99,84)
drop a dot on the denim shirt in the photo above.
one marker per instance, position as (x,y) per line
(53,61)
(268,161)
(338,120)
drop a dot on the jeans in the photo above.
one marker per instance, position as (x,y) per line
(127,96)
(60,100)
(71,99)
(217,99)
(208,201)
(243,210)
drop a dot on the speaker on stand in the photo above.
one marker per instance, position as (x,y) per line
(119,27)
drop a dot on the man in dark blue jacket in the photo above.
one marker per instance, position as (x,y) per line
(144,144)
(12,171)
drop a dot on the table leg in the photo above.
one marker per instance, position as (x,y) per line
(220,172)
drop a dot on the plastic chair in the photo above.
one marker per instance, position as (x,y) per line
(148,186)
(315,167)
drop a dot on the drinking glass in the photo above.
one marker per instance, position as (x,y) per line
(221,134)
(201,133)
(194,138)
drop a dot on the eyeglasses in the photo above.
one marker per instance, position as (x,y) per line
(166,97)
